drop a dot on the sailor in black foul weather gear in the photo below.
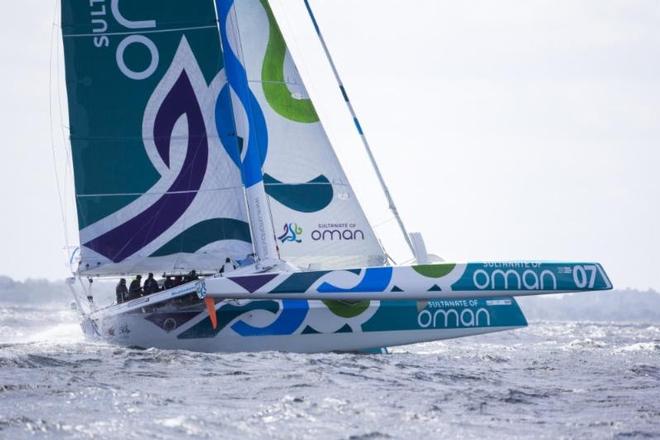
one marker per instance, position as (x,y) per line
(135,289)
(150,285)
(192,276)
(121,291)
(169,283)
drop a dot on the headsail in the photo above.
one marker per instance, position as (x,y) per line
(318,220)
(156,186)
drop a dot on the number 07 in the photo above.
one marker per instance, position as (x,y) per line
(585,276)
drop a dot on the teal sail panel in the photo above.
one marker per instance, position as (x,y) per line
(156,186)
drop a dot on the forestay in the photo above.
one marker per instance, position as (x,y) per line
(317,218)
(156,187)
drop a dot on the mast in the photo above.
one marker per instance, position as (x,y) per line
(363,137)
(261,222)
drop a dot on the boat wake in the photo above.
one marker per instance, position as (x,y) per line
(47,324)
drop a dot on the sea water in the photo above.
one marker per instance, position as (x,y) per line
(551,380)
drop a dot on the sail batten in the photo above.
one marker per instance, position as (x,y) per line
(231,188)
(143,32)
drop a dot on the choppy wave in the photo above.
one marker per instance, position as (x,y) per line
(550,380)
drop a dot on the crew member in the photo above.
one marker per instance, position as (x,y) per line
(150,285)
(250,259)
(135,289)
(169,283)
(192,276)
(228,266)
(121,291)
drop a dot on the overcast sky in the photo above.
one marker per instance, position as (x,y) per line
(506,130)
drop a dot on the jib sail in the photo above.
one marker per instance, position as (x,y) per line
(317,218)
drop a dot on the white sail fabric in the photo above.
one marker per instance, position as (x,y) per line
(318,220)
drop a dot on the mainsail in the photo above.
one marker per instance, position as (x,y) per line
(317,218)
(152,137)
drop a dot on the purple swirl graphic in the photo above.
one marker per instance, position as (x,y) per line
(128,238)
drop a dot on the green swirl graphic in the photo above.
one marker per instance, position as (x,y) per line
(434,270)
(347,309)
(277,93)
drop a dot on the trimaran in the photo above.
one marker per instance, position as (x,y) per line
(194,140)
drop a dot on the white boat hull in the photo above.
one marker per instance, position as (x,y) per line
(304,326)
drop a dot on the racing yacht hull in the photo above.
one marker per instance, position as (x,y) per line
(303,326)
(338,310)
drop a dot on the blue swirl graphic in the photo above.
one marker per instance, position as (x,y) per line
(257,147)
(375,279)
(224,121)
(294,312)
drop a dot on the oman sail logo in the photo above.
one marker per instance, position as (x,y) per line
(181,140)
(292,232)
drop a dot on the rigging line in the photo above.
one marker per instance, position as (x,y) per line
(388,257)
(365,142)
(383,223)
(52,127)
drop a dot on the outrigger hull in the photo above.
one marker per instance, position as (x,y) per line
(342,310)
(306,326)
